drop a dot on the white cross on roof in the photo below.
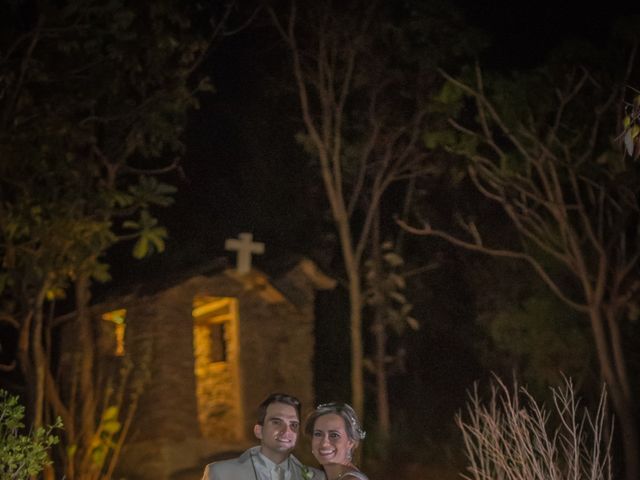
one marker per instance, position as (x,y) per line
(245,246)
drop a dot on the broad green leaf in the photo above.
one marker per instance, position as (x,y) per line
(110,413)
(156,237)
(141,248)
(393,259)
(99,454)
(131,225)
(111,427)
(101,273)
(71,450)
(449,93)
(55,293)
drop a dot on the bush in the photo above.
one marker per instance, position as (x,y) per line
(22,455)
(512,437)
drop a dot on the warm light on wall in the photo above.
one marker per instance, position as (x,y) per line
(215,346)
(117,317)
(205,305)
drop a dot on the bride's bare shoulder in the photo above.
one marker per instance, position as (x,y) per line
(354,474)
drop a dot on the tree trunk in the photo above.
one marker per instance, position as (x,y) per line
(622,405)
(380,335)
(352,267)
(31,357)
(87,394)
(357,378)
(24,361)
(39,361)
(382,396)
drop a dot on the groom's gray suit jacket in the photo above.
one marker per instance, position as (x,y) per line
(241,468)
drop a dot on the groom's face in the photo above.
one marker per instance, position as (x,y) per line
(279,432)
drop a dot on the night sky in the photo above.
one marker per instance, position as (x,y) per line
(243,170)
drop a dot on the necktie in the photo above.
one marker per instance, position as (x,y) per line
(279,472)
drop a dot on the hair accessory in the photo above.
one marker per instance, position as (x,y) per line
(347,412)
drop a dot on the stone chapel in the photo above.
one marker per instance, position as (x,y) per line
(215,344)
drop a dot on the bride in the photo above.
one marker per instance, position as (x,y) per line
(335,434)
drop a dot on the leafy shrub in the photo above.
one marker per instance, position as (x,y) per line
(22,455)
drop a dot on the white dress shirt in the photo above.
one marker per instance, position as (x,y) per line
(268,470)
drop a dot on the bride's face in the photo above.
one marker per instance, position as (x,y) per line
(330,442)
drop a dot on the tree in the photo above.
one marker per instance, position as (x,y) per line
(543,148)
(542,338)
(363,126)
(365,80)
(93,101)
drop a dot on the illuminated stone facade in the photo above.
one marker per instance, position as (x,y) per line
(216,357)
(219,343)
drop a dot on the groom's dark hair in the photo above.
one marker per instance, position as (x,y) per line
(277,398)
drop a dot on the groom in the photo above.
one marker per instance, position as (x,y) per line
(277,429)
